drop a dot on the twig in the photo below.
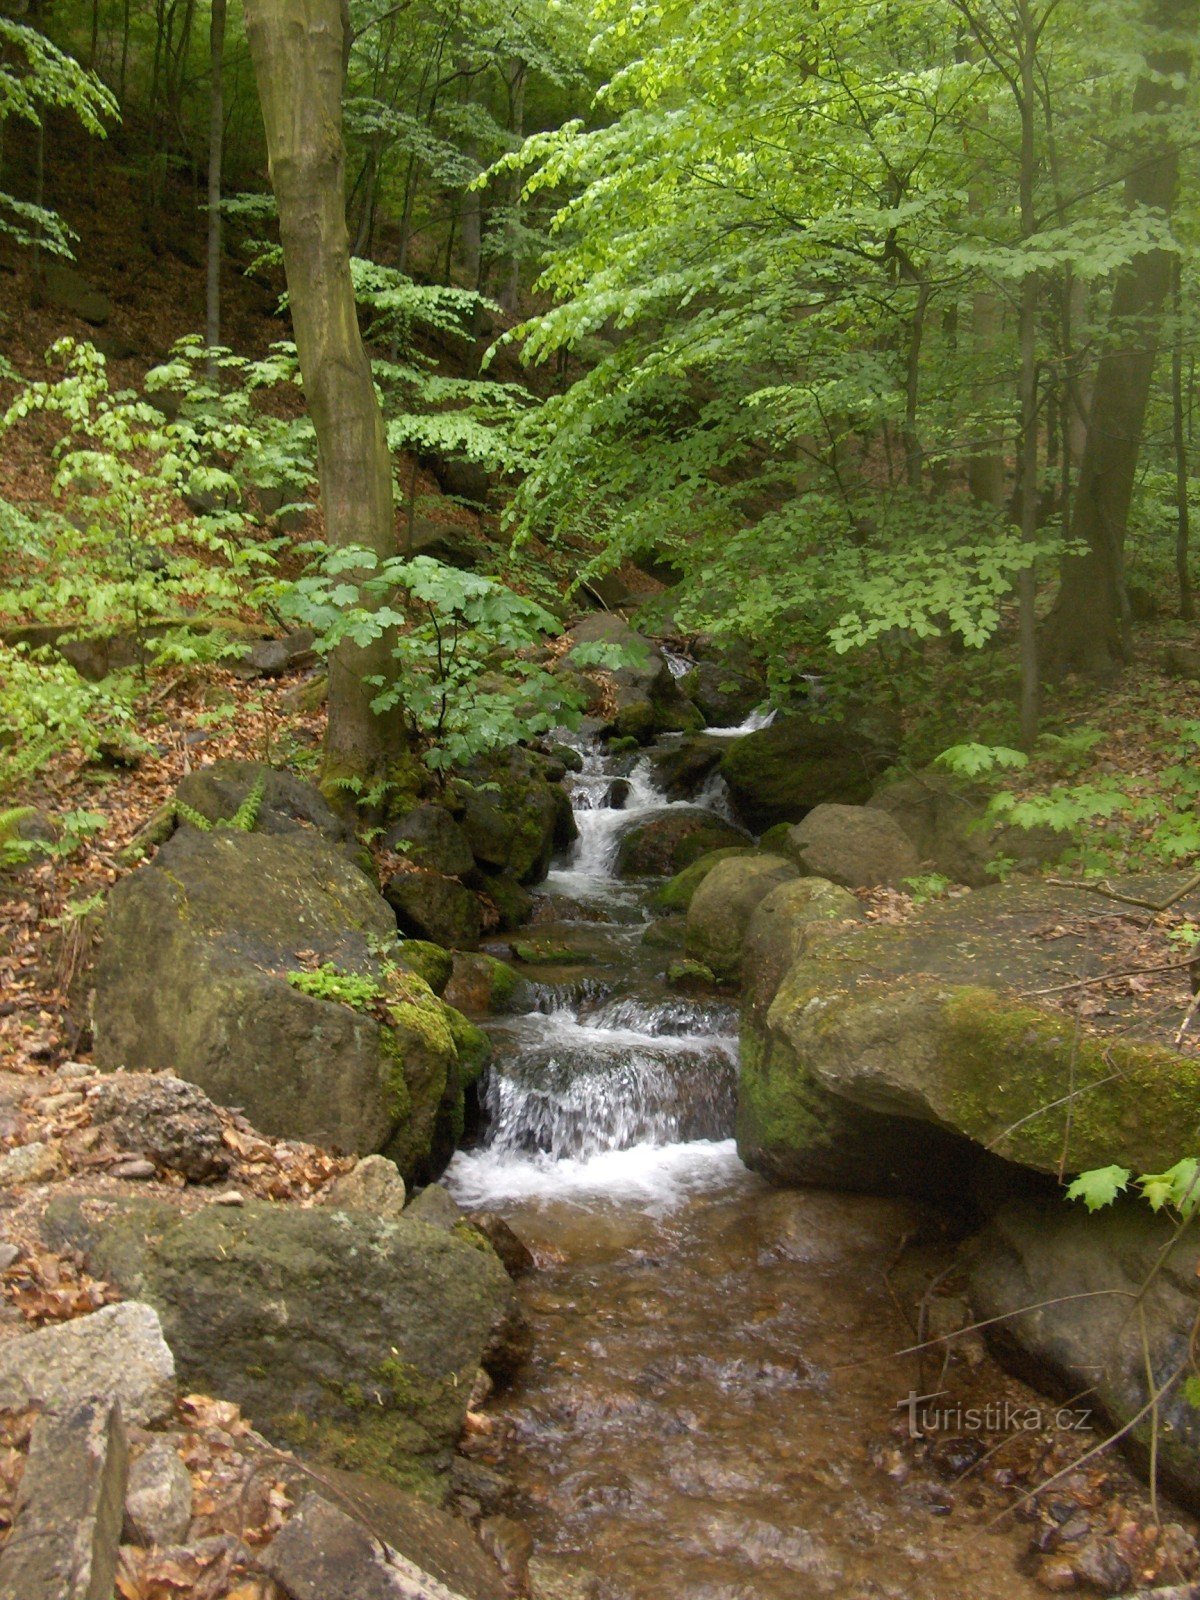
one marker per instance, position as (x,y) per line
(1109,893)
(1106,977)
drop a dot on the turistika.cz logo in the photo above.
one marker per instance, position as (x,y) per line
(925,1416)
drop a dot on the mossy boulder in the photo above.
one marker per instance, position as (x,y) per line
(288,805)
(207,968)
(779,773)
(934,1025)
(432,907)
(429,837)
(664,844)
(512,816)
(510,901)
(428,961)
(481,985)
(676,894)
(347,1336)
(642,698)
(682,768)
(1074,1293)
(723,904)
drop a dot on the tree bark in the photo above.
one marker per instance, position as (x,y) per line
(216,128)
(1088,630)
(297,47)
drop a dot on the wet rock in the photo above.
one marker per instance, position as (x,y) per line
(118,1351)
(322,1553)
(193,976)
(429,961)
(480,985)
(676,895)
(508,1245)
(158,1498)
(512,817)
(374,1185)
(429,906)
(853,846)
(645,695)
(429,837)
(665,933)
(340,1333)
(721,908)
(681,770)
(779,773)
(690,977)
(27,1163)
(436,1207)
(512,902)
(554,1579)
(172,1123)
(510,1545)
(474,1480)
(665,844)
(67,1525)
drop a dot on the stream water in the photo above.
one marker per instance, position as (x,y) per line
(713,1410)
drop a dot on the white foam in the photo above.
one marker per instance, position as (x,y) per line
(657,1177)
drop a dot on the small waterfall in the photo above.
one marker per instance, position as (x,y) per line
(611,1082)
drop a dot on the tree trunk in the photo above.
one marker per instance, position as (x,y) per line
(1183,532)
(297,48)
(1089,627)
(216,128)
(1027,476)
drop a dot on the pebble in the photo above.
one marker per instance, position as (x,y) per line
(8,1254)
(139,1169)
(75,1069)
(231,1197)
(66,1101)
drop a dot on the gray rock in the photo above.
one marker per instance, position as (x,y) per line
(646,696)
(779,773)
(430,837)
(721,908)
(271,658)
(505,1241)
(289,805)
(169,1121)
(339,1333)
(192,976)
(118,1351)
(67,1526)
(374,1185)
(1072,1289)
(321,1553)
(158,1498)
(27,1163)
(854,846)
(436,1207)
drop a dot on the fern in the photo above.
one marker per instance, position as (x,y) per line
(189,814)
(245,818)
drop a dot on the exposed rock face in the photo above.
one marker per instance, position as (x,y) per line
(677,894)
(192,976)
(374,1185)
(780,773)
(853,846)
(723,904)
(289,805)
(346,1334)
(918,1027)
(118,1351)
(512,816)
(667,843)
(1035,1258)
(682,769)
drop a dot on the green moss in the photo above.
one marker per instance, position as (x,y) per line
(544,952)
(428,961)
(473,1046)
(676,894)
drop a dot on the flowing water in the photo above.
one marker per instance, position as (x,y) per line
(712,1408)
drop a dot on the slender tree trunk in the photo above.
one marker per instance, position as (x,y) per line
(512,288)
(985,467)
(1027,479)
(297,49)
(1090,628)
(216,129)
(1183,532)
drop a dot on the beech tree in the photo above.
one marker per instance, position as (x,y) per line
(299,49)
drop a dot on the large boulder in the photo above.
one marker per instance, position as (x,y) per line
(676,894)
(512,815)
(851,845)
(722,906)
(207,967)
(430,906)
(945,820)
(666,843)
(288,804)
(642,698)
(779,773)
(1075,1292)
(344,1334)
(725,683)
(429,837)
(932,1025)
(682,767)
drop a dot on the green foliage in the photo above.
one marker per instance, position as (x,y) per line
(466,649)
(327,982)
(927,886)
(1176,1190)
(978,760)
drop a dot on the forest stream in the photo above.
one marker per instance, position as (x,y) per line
(713,1409)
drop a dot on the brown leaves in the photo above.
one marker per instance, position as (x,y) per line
(15,1430)
(46,1287)
(235,1488)
(285,1170)
(209,1569)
